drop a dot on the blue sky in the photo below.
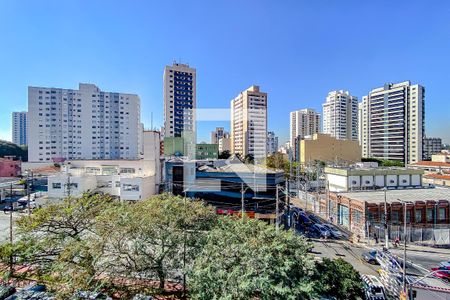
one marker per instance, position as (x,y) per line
(296,51)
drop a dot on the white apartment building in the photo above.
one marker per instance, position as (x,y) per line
(272,143)
(180,99)
(19,128)
(87,123)
(304,122)
(392,122)
(249,123)
(125,179)
(340,115)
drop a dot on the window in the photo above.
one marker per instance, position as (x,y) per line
(429,214)
(408,216)
(56,185)
(418,216)
(131,187)
(127,170)
(117,183)
(394,216)
(442,214)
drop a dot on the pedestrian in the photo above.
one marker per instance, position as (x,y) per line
(375,236)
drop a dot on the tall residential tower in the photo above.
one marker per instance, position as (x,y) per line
(82,124)
(392,122)
(179,99)
(249,123)
(340,115)
(304,122)
(19,128)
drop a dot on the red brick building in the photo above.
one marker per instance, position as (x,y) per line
(9,167)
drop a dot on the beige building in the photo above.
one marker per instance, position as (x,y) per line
(249,123)
(328,149)
(303,122)
(224,144)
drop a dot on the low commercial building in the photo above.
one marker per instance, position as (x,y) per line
(437,179)
(125,179)
(344,179)
(178,147)
(206,151)
(220,182)
(325,148)
(9,167)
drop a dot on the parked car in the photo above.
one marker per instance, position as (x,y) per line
(334,232)
(320,231)
(370,257)
(315,219)
(441,272)
(24,204)
(8,208)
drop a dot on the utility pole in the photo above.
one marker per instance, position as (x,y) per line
(11,267)
(288,202)
(28,194)
(276,210)
(386,233)
(242,201)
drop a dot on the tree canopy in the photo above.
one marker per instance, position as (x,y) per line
(100,244)
(10,149)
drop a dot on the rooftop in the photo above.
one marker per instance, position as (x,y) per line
(431,164)
(438,176)
(413,194)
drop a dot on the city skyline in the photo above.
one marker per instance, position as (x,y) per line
(298,79)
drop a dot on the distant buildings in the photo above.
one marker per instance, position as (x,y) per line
(431,146)
(340,115)
(303,122)
(249,123)
(19,128)
(180,99)
(323,147)
(272,143)
(207,151)
(218,134)
(392,122)
(88,123)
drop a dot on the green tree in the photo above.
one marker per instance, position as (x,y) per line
(10,149)
(338,278)
(249,159)
(153,239)
(249,260)
(224,154)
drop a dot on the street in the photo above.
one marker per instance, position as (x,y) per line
(343,249)
(4,225)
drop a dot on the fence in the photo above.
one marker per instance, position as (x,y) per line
(435,235)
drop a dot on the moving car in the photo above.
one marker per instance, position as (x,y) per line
(370,257)
(315,219)
(441,272)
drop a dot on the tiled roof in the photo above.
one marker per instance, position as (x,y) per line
(438,176)
(432,164)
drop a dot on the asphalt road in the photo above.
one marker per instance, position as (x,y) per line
(345,250)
